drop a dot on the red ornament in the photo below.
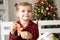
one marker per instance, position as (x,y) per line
(38,2)
(51,11)
(47,3)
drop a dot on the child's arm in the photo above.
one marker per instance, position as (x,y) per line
(13,32)
(12,37)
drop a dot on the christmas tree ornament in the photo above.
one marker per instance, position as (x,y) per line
(51,7)
(47,3)
(36,14)
(35,11)
(42,2)
(51,11)
(38,2)
(48,13)
(42,7)
(47,8)
(42,10)
(44,13)
(38,9)
(54,15)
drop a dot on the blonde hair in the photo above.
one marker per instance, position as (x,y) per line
(22,4)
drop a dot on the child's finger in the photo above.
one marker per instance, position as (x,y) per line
(13,28)
(19,27)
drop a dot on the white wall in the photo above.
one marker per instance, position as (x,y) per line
(11,3)
(11,9)
(58,6)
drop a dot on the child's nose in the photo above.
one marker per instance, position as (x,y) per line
(26,12)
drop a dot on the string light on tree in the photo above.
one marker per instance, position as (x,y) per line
(46,10)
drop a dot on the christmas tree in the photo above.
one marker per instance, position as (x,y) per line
(45,10)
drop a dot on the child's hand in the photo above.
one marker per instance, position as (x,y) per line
(26,35)
(13,28)
(19,29)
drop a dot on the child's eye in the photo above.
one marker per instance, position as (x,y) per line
(23,11)
(29,11)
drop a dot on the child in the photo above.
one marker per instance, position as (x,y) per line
(24,28)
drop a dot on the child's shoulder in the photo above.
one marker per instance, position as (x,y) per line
(34,23)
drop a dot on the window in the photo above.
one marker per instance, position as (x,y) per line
(1,1)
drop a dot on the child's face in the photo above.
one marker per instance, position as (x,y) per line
(25,12)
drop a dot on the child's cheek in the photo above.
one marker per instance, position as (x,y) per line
(20,15)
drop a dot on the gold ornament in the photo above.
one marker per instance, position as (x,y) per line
(42,2)
(54,15)
(35,10)
(43,7)
(51,7)
(48,13)
(47,8)
(35,13)
(38,9)
(42,10)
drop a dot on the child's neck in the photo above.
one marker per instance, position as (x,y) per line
(24,23)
